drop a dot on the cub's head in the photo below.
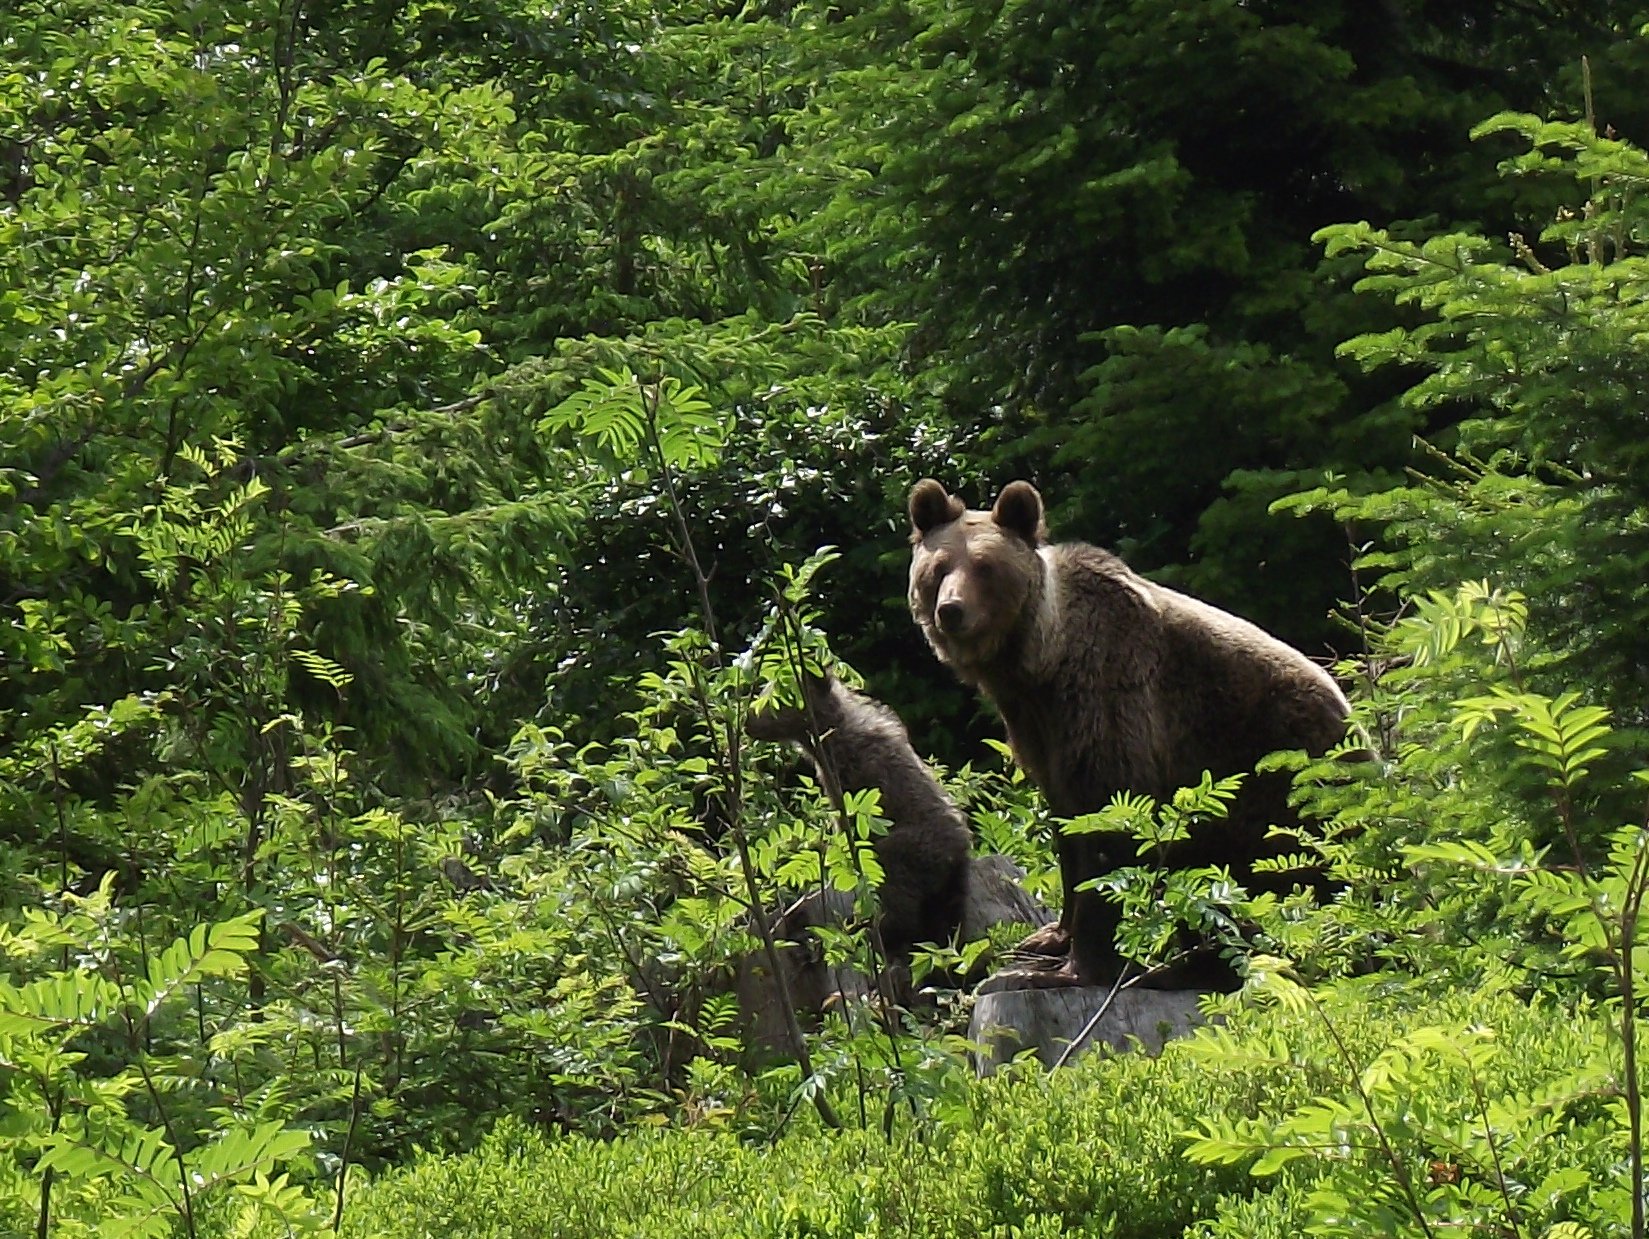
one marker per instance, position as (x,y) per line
(973,573)
(824,696)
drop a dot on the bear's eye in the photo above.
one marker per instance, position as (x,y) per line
(984,569)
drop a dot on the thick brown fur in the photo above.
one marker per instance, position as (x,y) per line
(1109,682)
(925,852)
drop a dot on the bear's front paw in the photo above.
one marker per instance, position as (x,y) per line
(1061,976)
(1051,940)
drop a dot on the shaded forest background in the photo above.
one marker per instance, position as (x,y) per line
(329,605)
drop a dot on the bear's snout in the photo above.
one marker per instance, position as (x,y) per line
(951,616)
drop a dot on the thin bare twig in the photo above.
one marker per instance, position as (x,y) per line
(729,756)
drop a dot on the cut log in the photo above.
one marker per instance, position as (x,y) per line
(1009,1022)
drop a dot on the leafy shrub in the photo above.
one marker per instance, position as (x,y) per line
(1485,1113)
(106,1107)
(1096,1150)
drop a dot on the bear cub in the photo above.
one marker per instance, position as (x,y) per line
(925,852)
(1108,682)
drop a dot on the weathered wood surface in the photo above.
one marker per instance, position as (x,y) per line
(1048,1020)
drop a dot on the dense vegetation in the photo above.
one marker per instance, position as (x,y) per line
(423,433)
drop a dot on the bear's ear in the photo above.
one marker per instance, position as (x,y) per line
(1019,510)
(931,507)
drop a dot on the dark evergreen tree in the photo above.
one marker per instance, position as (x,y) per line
(1099,218)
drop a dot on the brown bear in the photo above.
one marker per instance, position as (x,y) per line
(925,852)
(1108,682)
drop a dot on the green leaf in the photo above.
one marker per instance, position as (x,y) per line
(323,669)
(216,950)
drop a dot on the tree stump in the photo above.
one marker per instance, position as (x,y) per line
(1048,1020)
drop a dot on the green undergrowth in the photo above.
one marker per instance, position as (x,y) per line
(1098,1149)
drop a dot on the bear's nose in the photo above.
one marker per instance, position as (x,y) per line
(950,616)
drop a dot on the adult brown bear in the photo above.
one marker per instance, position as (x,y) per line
(1108,682)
